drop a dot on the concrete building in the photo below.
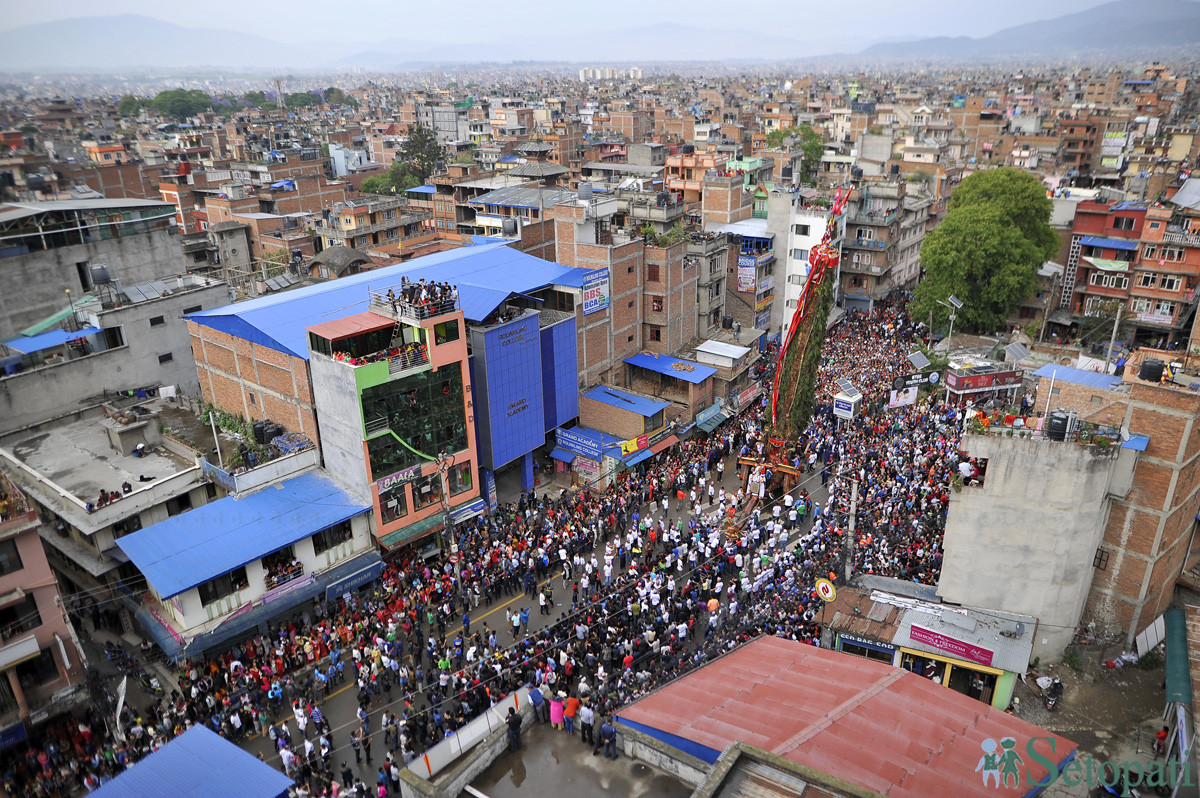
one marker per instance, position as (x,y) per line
(121,338)
(47,248)
(40,655)
(800,228)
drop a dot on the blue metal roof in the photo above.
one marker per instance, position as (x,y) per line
(574,278)
(48,340)
(613,397)
(563,454)
(686,370)
(1129,205)
(1109,243)
(191,548)
(422,190)
(1076,376)
(198,764)
(278,321)
(1136,442)
(638,456)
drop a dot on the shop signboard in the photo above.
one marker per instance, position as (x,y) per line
(587,468)
(634,445)
(862,641)
(276,593)
(745,396)
(489,480)
(708,412)
(959,648)
(399,478)
(595,291)
(576,442)
(747,268)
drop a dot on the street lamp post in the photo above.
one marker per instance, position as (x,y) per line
(955,304)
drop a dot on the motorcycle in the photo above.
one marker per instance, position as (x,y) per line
(1054,694)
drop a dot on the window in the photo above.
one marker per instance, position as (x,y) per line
(85,277)
(1109,280)
(1169,282)
(179,504)
(33,673)
(1100,561)
(656,304)
(629,340)
(800,229)
(425,410)
(393,503)
(167,358)
(1140,306)
(652,274)
(1123,223)
(18,618)
(800,254)
(865,234)
(1147,279)
(10,558)
(127,525)
(445,332)
(224,585)
(1149,252)
(193,309)
(460,480)
(210,491)
(656,333)
(155,321)
(427,490)
(251,396)
(1155,225)
(1164,308)
(654,422)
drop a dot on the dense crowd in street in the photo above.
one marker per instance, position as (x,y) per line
(643,582)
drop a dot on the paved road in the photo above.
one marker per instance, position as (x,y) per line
(341,704)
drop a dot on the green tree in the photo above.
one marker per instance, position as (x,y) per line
(129,105)
(810,143)
(254,99)
(1019,195)
(464,157)
(398,177)
(301,99)
(334,96)
(181,103)
(420,152)
(981,257)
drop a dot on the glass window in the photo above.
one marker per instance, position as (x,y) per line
(326,539)
(423,410)
(427,490)
(18,618)
(654,422)
(10,558)
(393,503)
(445,332)
(223,585)
(125,526)
(459,477)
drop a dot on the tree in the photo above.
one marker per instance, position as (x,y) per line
(181,103)
(254,99)
(334,96)
(1020,195)
(129,105)
(301,99)
(464,157)
(398,177)
(421,152)
(810,143)
(979,256)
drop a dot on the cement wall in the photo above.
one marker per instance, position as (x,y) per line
(49,391)
(685,767)
(36,283)
(1025,540)
(450,783)
(341,422)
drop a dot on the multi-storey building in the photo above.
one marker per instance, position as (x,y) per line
(872,242)
(1108,231)
(373,222)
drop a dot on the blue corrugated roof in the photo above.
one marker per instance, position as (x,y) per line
(686,370)
(278,321)
(1136,442)
(1109,243)
(198,764)
(191,548)
(573,278)
(613,397)
(1078,376)
(48,339)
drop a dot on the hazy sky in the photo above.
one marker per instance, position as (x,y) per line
(374,20)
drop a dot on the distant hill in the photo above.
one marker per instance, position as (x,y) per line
(1113,28)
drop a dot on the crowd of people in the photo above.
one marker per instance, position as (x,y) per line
(667,568)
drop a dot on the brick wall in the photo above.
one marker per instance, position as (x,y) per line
(613,420)
(1149,530)
(1092,404)
(253,381)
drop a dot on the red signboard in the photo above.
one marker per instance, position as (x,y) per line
(972,383)
(950,645)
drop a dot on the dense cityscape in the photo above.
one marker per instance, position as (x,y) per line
(417,418)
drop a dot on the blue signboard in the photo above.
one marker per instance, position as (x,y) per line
(596,290)
(578,442)
(364,576)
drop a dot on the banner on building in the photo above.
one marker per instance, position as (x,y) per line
(747,267)
(587,468)
(595,291)
(634,445)
(902,398)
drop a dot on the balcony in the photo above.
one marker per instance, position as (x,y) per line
(706,243)
(865,243)
(1181,238)
(398,359)
(880,217)
(332,229)
(409,311)
(282,574)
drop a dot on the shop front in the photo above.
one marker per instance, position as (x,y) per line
(868,649)
(938,650)
(980,682)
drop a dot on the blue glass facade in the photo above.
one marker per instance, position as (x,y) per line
(560,374)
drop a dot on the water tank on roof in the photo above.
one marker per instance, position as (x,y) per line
(1056,425)
(508,227)
(687,149)
(727,322)
(1151,370)
(260,431)
(585,192)
(100,275)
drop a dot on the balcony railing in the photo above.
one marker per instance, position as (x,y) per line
(283,575)
(876,217)
(865,243)
(398,358)
(398,308)
(1182,238)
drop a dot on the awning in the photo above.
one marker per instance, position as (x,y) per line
(637,457)
(711,423)
(563,454)
(670,440)
(1110,243)
(48,340)
(1107,265)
